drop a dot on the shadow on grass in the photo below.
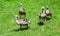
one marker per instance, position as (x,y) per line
(48,19)
(41,23)
(20,29)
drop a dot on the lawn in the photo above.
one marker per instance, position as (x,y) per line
(9,8)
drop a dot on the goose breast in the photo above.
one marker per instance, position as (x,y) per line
(21,10)
(43,15)
(47,12)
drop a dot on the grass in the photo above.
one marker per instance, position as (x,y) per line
(8,8)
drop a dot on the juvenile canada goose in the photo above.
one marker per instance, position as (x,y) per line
(22,22)
(22,11)
(43,14)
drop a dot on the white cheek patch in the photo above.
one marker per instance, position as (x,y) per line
(29,21)
(16,16)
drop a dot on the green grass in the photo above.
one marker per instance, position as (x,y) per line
(8,8)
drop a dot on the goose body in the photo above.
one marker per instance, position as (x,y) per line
(48,12)
(21,21)
(43,15)
(22,11)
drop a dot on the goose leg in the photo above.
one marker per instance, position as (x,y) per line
(27,26)
(20,27)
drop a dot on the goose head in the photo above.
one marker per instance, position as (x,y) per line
(20,4)
(43,9)
(47,7)
(16,16)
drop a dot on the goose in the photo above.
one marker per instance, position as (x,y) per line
(43,15)
(22,11)
(22,22)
